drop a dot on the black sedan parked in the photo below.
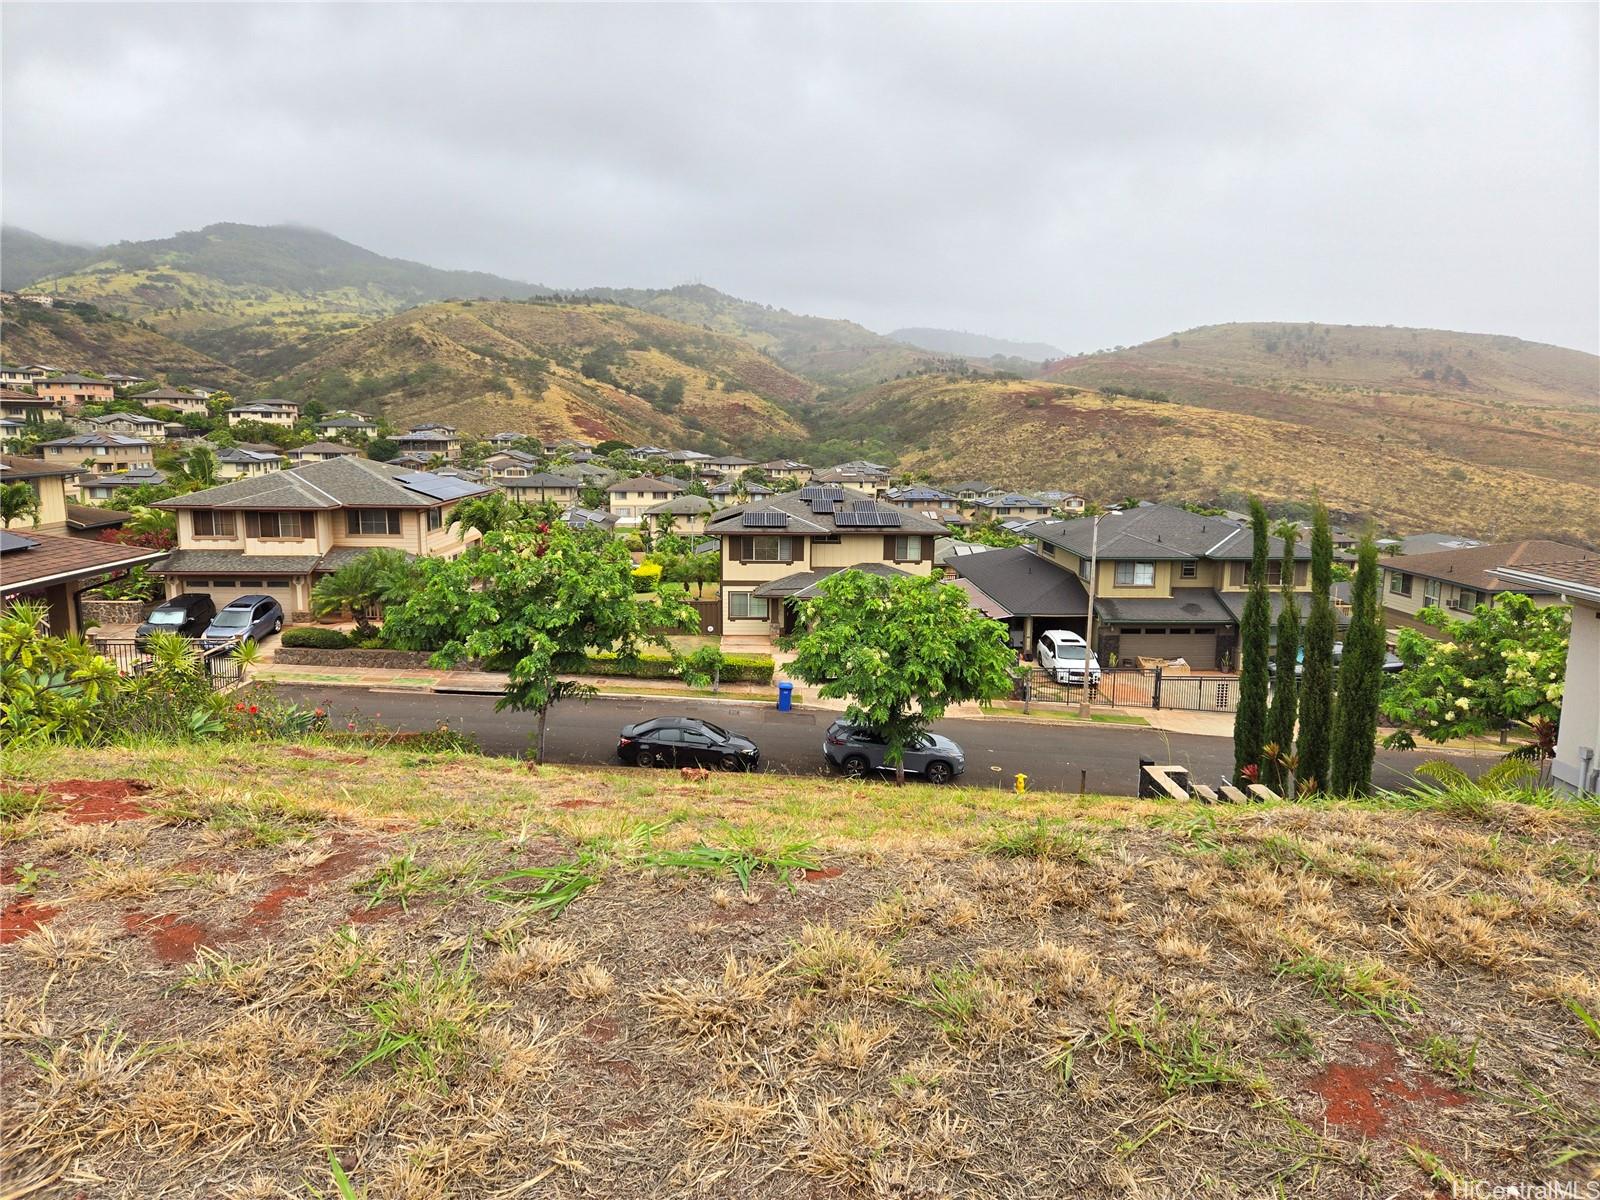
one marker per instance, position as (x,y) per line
(686,742)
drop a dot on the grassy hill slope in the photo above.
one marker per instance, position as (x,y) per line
(487,366)
(26,256)
(80,337)
(975,345)
(1031,433)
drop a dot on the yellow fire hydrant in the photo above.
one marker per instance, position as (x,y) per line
(1022,783)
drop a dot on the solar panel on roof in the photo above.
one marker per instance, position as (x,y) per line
(765,520)
(864,506)
(823,508)
(437,487)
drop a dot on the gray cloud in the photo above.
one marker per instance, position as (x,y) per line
(1084,176)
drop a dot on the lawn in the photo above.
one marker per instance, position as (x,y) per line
(229,967)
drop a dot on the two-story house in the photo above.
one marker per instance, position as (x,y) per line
(1170,583)
(20,377)
(778,549)
(27,406)
(132,424)
(430,440)
(102,451)
(511,464)
(628,498)
(539,487)
(737,492)
(239,462)
(348,425)
(121,379)
(787,468)
(684,515)
(1011,506)
(857,475)
(278,534)
(71,392)
(317,451)
(723,466)
(57,488)
(969,491)
(187,403)
(920,498)
(102,488)
(268,412)
(1460,580)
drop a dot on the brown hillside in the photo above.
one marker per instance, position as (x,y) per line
(487,366)
(80,337)
(1032,434)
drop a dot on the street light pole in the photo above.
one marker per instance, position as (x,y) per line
(1088,628)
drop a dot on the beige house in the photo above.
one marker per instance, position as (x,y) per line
(101,451)
(1168,583)
(628,498)
(129,424)
(27,406)
(58,492)
(317,451)
(72,392)
(859,475)
(429,440)
(175,398)
(787,468)
(1011,506)
(778,549)
(348,425)
(20,377)
(540,487)
(54,570)
(268,412)
(236,462)
(278,534)
(1460,580)
(683,515)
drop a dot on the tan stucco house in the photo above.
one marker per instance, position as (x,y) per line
(1460,580)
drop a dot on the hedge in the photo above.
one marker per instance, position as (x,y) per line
(311,637)
(736,668)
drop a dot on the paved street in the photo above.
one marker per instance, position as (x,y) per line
(1053,756)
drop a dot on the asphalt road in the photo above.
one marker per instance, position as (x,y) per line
(1055,757)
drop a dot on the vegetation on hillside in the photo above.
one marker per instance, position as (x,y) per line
(81,337)
(26,256)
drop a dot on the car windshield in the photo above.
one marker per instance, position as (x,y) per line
(716,731)
(167,616)
(1075,653)
(233,618)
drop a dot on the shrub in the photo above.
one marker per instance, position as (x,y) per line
(736,668)
(312,637)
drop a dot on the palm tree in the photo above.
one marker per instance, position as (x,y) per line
(18,500)
(370,580)
(200,467)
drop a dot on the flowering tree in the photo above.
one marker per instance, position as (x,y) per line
(1503,665)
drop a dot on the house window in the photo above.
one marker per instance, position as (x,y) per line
(211,523)
(1083,569)
(372,521)
(1136,574)
(826,539)
(1275,572)
(1430,593)
(1189,570)
(908,548)
(770,548)
(746,606)
(1399,583)
(278,583)
(279,525)
(436,518)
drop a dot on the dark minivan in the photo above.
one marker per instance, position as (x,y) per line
(187,616)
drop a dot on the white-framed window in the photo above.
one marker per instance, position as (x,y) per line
(1136,574)
(1189,570)
(908,547)
(746,606)
(766,547)
(1399,583)
(1430,593)
(369,521)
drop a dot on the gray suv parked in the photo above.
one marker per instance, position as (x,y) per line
(855,751)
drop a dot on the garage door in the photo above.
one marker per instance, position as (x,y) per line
(1197,648)
(222,591)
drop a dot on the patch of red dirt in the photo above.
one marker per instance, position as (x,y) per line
(8,875)
(811,874)
(622,1069)
(1371,1097)
(268,909)
(600,1030)
(97,801)
(22,917)
(570,804)
(302,752)
(366,916)
(172,939)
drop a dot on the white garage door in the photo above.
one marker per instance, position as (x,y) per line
(1196,647)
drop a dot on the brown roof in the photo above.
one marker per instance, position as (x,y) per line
(1474,566)
(40,558)
(22,466)
(1582,575)
(88,516)
(14,394)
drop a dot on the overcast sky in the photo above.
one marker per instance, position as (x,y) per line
(1084,176)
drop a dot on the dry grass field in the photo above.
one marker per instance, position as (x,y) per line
(228,968)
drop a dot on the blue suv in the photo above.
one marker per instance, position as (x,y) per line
(249,618)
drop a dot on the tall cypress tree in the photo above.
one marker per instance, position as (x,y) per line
(1355,710)
(1316,677)
(1281,715)
(1255,631)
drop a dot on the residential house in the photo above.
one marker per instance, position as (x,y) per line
(131,424)
(187,403)
(267,412)
(539,487)
(12,431)
(512,464)
(1432,543)
(278,534)
(1460,580)
(567,445)
(686,515)
(723,466)
(349,425)
(688,458)
(26,406)
(119,380)
(101,488)
(54,570)
(778,549)
(920,498)
(431,439)
(20,377)
(238,462)
(737,492)
(59,511)
(1065,502)
(72,392)
(1577,582)
(861,476)
(1170,584)
(644,452)
(1012,506)
(317,451)
(1035,592)
(506,440)
(590,518)
(628,498)
(787,468)
(114,450)
(420,462)
(969,491)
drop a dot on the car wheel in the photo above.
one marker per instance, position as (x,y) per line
(277,626)
(855,766)
(939,772)
(730,762)
(645,757)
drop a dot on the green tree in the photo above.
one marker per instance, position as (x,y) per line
(1255,677)
(901,651)
(992,535)
(533,604)
(372,580)
(382,449)
(1316,678)
(670,396)
(18,500)
(1355,709)
(200,467)
(1502,665)
(1279,766)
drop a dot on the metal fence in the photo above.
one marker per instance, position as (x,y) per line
(220,668)
(1131,688)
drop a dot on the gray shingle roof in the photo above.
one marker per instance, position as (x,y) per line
(680,506)
(1025,582)
(802,520)
(646,483)
(802,585)
(540,479)
(1188,606)
(1159,531)
(234,562)
(332,483)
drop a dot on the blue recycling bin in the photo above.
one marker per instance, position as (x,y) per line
(785,696)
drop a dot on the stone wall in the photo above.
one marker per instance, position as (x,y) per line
(391,660)
(113,612)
